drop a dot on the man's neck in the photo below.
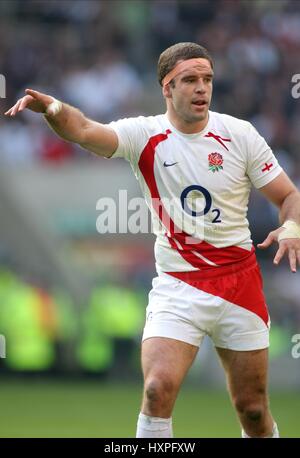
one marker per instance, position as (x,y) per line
(187,127)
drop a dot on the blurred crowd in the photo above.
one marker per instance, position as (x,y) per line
(45,331)
(101,56)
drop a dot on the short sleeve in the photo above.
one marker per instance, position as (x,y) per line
(132,139)
(262,167)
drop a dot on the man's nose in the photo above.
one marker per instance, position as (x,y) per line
(200,87)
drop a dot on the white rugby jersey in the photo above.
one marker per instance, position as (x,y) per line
(197,186)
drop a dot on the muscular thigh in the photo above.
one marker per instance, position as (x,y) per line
(246,371)
(167,357)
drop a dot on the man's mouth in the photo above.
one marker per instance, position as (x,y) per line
(199,103)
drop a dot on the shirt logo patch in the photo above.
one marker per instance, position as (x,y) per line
(215,161)
(267,167)
(169,165)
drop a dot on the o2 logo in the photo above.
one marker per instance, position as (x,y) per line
(208,202)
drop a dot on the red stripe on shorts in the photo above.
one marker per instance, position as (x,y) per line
(240,283)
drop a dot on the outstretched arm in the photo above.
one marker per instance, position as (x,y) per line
(284,194)
(69,123)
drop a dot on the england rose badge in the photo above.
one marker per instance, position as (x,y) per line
(215,162)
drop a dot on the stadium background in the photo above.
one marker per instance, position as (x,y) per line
(72,300)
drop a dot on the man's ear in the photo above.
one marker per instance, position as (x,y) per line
(166,90)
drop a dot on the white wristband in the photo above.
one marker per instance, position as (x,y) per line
(291,231)
(54,108)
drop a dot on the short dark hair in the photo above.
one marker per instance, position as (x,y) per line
(181,51)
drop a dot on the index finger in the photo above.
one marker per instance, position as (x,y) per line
(13,110)
(8,111)
(280,252)
(24,102)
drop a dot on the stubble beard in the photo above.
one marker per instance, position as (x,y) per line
(191,118)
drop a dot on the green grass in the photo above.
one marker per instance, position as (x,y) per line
(92,409)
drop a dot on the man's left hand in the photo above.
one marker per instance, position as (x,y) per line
(289,246)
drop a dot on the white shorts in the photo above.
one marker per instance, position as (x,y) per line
(227,304)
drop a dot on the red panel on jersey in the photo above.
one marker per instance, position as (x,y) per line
(219,256)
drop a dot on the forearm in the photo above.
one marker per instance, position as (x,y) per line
(69,123)
(290,208)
